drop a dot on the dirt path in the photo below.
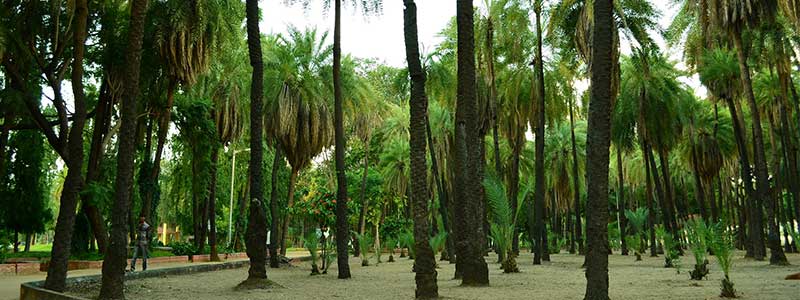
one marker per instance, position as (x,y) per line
(560,279)
(9,284)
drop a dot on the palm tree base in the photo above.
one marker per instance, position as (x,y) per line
(252,283)
(727,289)
(699,271)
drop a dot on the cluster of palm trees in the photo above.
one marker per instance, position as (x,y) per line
(504,71)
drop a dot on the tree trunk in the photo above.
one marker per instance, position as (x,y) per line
(623,221)
(342,228)
(598,140)
(539,185)
(444,210)
(287,219)
(651,215)
(212,205)
(100,126)
(362,216)
(57,271)
(116,255)
(754,229)
(576,186)
(761,172)
(468,214)
(257,222)
(274,261)
(425,263)
(669,197)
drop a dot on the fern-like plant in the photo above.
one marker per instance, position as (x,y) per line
(311,241)
(407,241)
(637,220)
(671,253)
(502,219)
(721,242)
(365,241)
(698,233)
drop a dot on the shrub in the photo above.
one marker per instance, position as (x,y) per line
(503,219)
(390,243)
(437,242)
(698,233)
(407,241)
(183,248)
(311,242)
(721,243)
(637,220)
(671,253)
(365,241)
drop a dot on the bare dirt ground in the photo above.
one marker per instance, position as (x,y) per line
(562,278)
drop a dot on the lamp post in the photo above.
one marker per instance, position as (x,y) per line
(233,178)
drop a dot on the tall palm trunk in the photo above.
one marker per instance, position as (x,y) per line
(651,208)
(468,214)
(116,256)
(576,183)
(444,208)
(287,218)
(212,205)
(669,197)
(540,231)
(101,126)
(598,139)
(57,271)
(362,215)
(257,222)
(274,261)
(790,149)
(754,212)
(425,263)
(623,221)
(342,228)
(161,137)
(762,174)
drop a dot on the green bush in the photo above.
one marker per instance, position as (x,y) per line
(365,241)
(721,243)
(3,250)
(698,234)
(183,248)
(437,242)
(671,253)
(311,241)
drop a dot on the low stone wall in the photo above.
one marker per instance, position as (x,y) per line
(34,290)
(27,267)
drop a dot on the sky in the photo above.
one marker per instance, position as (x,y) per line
(381,36)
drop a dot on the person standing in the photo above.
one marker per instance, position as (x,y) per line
(141,245)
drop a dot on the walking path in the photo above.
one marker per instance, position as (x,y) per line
(9,284)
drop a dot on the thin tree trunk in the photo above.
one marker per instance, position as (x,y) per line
(57,271)
(100,129)
(342,228)
(257,224)
(274,261)
(444,210)
(116,255)
(212,205)
(541,247)
(651,208)
(468,214)
(425,263)
(598,139)
(287,218)
(362,220)
(576,183)
(754,229)
(623,221)
(761,171)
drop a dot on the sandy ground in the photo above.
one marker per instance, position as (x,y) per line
(9,284)
(560,279)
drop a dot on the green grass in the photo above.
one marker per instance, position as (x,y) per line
(93,256)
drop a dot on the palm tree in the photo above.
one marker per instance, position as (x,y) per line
(734,17)
(187,34)
(257,221)
(721,75)
(469,249)
(540,232)
(425,263)
(300,123)
(116,257)
(598,140)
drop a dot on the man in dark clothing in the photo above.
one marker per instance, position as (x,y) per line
(141,245)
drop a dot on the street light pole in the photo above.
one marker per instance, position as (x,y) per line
(230,207)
